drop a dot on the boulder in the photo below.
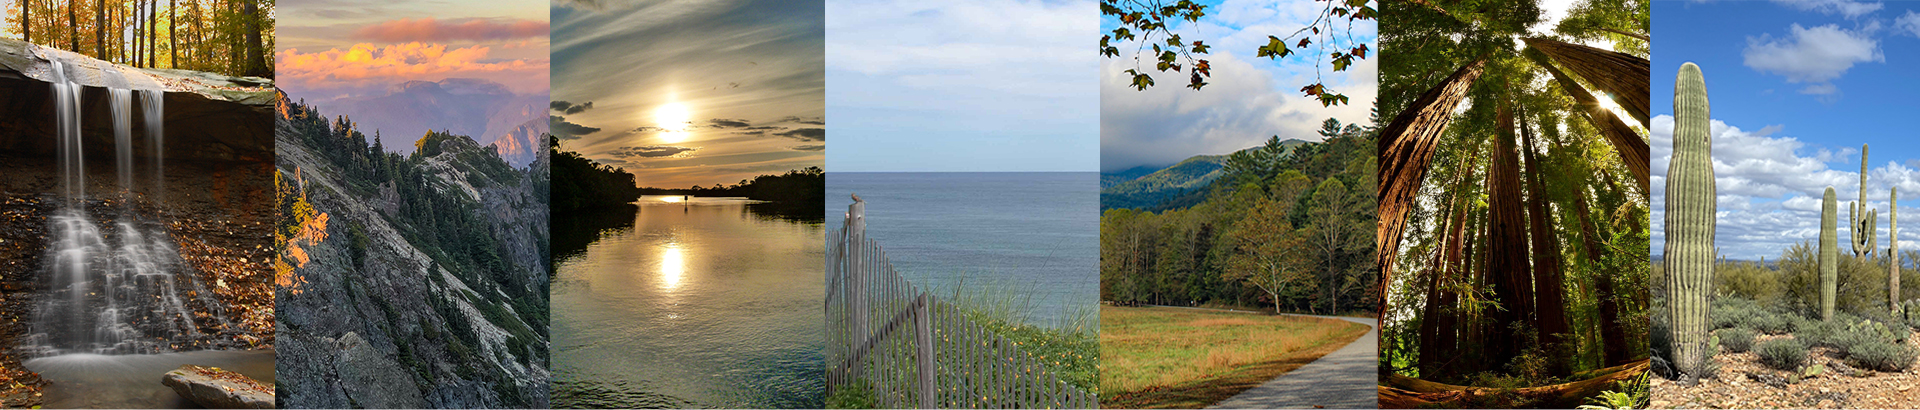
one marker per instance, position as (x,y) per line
(213,388)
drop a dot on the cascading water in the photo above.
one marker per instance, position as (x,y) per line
(115,291)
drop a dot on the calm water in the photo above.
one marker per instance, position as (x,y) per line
(133,381)
(1033,237)
(714,302)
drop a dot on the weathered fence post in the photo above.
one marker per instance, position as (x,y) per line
(923,337)
(855,257)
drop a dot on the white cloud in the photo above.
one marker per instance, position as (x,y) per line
(1240,108)
(1908,24)
(1815,55)
(1848,8)
(1770,187)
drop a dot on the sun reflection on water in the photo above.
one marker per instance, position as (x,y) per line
(672,266)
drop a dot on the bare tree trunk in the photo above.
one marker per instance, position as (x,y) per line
(26,21)
(1620,74)
(1549,281)
(153,33)
(1632,148)
(199,36)
(73,35)
(256,51)
(173,34)
(139,19)
(1406,148)
(100,29)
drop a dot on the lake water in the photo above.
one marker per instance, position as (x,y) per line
(1030,237)
(707,302)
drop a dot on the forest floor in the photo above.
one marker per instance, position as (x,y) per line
(1737,388)
(1159,357)
(221,219)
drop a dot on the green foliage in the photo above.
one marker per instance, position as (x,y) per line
(1150,190)
(1632,393)
(1277,194)
(1775,323)
(1737,340)
(1731,312)
(1153,23)
(1859,333)
(1783,353)
(856,395)
(1882,356)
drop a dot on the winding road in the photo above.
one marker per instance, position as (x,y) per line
(1344,379)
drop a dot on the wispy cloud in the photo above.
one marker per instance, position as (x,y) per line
(1848,8)
(374,65)
(431,30)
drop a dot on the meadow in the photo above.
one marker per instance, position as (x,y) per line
(1158,357)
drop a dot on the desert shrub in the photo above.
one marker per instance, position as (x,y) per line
(1783,353)
(1882,356)
(1860,333)
(1750,281)
(1737,340)
(1775,323)
(1733,311)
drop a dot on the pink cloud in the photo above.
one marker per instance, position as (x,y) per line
(431,30)
(365,65)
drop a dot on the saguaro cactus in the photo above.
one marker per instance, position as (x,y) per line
(1690,222)
(1829,255)
(1861,220)
(1893,249)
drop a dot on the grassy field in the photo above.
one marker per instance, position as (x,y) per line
(1184,358)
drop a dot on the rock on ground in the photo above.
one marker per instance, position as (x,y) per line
(213,388)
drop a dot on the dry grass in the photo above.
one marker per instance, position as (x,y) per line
(1182,358)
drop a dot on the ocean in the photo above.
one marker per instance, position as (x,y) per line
(1030,237)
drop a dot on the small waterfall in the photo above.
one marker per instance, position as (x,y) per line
(153,102)
(115,291)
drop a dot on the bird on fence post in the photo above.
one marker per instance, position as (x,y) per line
(856,198)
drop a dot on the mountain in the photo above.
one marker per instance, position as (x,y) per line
(523,144)
(1158,187)
(479,108)
(1109,179)
(418,281)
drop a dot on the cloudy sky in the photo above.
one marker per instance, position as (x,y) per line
(336,48)
(684,93)
(978,85)
(1248,98)
(1796,86)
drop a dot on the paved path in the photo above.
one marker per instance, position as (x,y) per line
(1344,379)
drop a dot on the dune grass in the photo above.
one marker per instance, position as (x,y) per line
(1184,358)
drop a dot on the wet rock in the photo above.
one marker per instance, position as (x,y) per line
(213,388)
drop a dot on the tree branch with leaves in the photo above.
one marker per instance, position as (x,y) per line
(1151,23)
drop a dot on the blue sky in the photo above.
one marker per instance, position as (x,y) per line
(1795,88)
(1249,98)
(962,86)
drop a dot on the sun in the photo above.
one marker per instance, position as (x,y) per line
(675,118)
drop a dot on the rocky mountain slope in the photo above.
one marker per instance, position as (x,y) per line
(425,277)
(523,144)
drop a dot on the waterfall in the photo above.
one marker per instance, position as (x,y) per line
(153,102)
(115,291)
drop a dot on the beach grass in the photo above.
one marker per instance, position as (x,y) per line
(1186,358)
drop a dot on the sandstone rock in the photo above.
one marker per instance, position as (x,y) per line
(213,388)
(208,116)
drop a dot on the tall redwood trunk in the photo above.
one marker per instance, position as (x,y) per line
(1632,148)
(1549,280)
(1620,74)
(1507,253)
(1406,148)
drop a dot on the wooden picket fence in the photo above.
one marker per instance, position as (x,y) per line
(912,350)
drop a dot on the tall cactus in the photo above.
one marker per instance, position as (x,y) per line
(1690,223)
(1861,220)
(1829,255)
(1893,249)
